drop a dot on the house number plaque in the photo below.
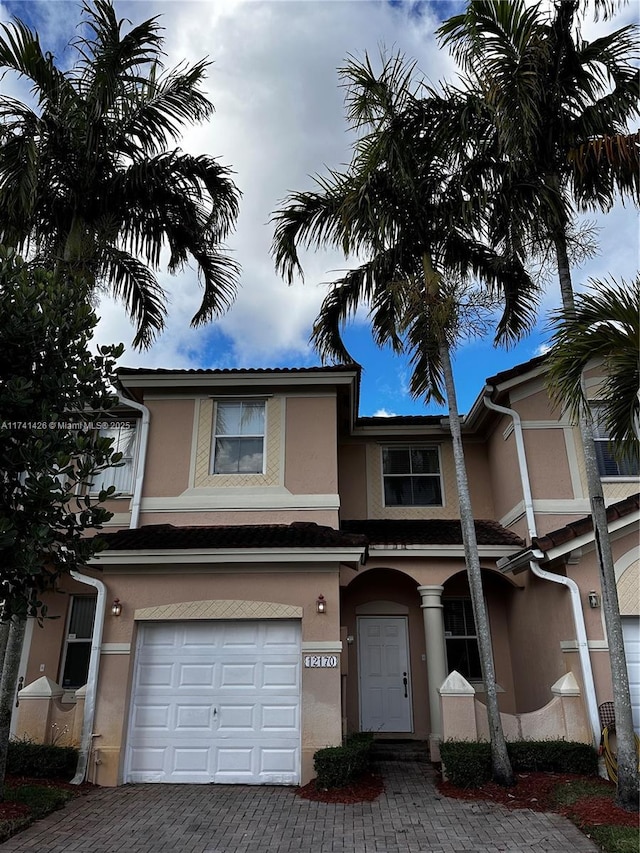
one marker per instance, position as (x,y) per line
(313,661)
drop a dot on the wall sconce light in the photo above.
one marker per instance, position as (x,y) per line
(116,607)
(594,599)
(350,639)
(321,604)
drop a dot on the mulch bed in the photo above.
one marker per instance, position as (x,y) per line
(535,791)
(366,789)
(15,811)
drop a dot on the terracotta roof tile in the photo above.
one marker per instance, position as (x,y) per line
(296,535)
(585,525)
(201,371)
(429,532)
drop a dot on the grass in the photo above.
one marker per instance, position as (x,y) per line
(615,839)
(573,798)
(24,804)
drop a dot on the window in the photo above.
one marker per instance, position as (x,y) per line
(238,442)
(608,465)
(411,476)
(78,644)
(124,437)
(460,638)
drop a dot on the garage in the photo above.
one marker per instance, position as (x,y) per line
(216,701)
(631,634)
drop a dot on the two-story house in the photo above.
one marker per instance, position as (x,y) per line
(281,571)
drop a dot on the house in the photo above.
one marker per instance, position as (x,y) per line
(280,571)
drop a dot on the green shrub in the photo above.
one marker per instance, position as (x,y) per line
(468,764)
(41,801)
(40,760)
(337,766)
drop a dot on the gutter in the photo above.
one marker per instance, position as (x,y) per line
(92,676)
(535,555)
(98,624)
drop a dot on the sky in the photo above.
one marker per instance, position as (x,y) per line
(278,121)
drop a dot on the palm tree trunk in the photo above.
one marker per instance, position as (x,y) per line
(8,690)
(627,786)
(500,764)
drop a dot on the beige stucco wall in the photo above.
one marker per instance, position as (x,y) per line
(311,465)
(352,480)
(169,447)
(504,476)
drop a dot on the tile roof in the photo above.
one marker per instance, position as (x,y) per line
(517,370)
(585,525)
(429,532)
(229,371)
(399,420)
(296,535)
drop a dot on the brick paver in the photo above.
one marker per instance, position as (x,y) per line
(410,817)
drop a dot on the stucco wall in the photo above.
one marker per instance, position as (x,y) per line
(311,465)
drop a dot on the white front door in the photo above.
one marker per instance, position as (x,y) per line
(216,701)
(385,679)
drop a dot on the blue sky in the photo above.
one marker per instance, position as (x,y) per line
(279,120)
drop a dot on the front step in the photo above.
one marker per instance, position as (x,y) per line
(400,750)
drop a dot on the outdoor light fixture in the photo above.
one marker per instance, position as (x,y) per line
(321,604)
(116,607)
(594,599)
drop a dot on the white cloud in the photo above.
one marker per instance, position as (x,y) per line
(383,413)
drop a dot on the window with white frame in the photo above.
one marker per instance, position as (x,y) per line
(125,438)
(609,465)
(461,638)
(411,476)
(238,440)
(77,650)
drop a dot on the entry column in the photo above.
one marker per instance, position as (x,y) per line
(431,604)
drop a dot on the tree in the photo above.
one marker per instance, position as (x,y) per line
(88,180)
(399,207)
(52,392)
(545,103)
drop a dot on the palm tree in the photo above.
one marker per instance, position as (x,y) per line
(548,102)
(605,325)
(398,207)
(88,180)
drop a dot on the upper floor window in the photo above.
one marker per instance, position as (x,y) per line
(238,442)
(608,464)
(125,436)
(411,476)
(461,638)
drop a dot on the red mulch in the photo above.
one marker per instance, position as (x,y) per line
(367,788)
(13,811)
(535,791)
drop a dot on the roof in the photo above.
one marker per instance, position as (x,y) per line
(168,537)
(429,532)
(517,370)
(585,525)
(257,371)
(400,420)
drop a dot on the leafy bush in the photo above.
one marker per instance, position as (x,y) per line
(337,766)
(468,764)
(40,760)
(41,801)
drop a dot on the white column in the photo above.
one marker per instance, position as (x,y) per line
(431,604)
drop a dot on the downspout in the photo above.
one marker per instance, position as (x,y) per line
(98,625)
(92,676)
(576,604)
(141,463)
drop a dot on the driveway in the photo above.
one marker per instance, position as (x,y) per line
(410,817)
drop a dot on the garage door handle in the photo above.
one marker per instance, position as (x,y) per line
(405,682)
(215,712)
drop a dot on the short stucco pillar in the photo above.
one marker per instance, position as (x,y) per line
(34,711)
(576,723)
(431,603)
(458,700)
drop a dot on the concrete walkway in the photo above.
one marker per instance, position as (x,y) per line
(410,817)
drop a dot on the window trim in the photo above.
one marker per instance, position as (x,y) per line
(409,445)
(214,435)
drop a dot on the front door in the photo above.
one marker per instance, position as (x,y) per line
(383,661)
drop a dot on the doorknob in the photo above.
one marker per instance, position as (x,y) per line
(405,682)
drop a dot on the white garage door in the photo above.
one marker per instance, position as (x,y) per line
(216,702)
(631,632)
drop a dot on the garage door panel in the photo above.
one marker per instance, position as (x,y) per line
(631,633)
(204,709)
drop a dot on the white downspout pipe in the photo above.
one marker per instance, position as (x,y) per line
(576,604)
(92,676)
(142,457)
(98,625)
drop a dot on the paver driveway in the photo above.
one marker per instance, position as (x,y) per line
(410,817)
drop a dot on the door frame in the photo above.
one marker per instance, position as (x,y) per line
(405,619)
